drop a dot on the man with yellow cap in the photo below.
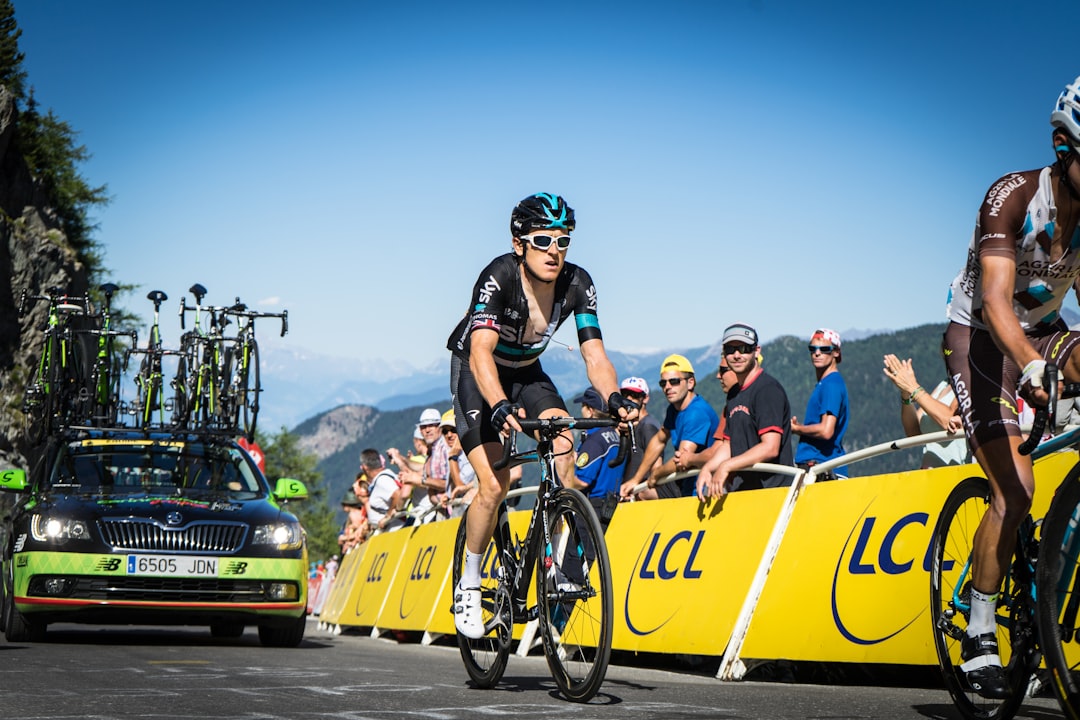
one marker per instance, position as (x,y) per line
(689,424)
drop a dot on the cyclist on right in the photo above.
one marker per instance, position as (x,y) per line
(1004,326)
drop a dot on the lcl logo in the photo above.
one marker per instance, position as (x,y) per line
(663,559)
(870,556)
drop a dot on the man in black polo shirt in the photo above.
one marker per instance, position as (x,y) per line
(757,423)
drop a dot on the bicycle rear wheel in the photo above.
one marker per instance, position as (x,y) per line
(950,591)
(249,391)
(485,659)
(1057,579)
(574,596)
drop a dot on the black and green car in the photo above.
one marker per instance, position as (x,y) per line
(123,527)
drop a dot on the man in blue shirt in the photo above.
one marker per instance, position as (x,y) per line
(689,424)
(821,437)
(598,447)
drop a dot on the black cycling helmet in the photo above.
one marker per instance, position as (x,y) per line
(542,211)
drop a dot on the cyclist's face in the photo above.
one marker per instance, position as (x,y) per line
(542,264)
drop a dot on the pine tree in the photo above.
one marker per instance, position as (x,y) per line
(11,73)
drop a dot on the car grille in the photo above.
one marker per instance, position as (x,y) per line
(153,589)
(150,536)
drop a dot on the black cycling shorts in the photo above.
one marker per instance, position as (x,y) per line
(528,387)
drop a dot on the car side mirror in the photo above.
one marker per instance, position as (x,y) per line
(289,489)
(13,480)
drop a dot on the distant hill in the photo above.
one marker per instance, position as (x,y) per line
(337,436)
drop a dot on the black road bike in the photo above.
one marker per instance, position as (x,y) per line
(565,546)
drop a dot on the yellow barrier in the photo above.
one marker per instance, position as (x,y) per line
(849,581)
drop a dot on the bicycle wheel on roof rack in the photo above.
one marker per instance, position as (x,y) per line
(248,389)
(182,393)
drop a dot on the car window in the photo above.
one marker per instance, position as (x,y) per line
(106,467)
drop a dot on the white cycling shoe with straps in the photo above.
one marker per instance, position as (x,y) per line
(467,617)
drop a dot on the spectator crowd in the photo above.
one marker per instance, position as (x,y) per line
(695,450)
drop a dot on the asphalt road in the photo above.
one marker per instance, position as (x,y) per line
(97,673)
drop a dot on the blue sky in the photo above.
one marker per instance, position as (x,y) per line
(788,164)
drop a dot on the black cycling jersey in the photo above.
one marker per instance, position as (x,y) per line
(499,303)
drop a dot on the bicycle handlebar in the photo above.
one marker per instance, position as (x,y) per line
(549,428)
(1045,416)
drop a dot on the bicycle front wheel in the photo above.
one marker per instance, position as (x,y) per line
(1057,579)
(950,606)
(485,659)
(573,587)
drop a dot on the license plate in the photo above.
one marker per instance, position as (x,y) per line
(172,565)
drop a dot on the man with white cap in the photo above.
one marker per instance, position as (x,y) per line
(821,437)
(689,424)
(636,390)
(758,423)
(430,476)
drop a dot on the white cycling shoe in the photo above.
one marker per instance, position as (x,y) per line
(467,618)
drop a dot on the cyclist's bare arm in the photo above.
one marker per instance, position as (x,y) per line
(999,284)
(482,364)
(598,367)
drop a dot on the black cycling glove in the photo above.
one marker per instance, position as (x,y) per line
(502,410)
(617,400)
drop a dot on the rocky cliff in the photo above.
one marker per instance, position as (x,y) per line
(34,254)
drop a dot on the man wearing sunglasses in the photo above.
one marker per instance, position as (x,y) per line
(821,437)
(518,302)
(757,420)
(689,424)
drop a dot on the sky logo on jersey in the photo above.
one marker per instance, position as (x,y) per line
(878,552)
(488,289)
(661,558)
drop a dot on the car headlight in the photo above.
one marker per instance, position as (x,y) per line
(45,528)
(286,536)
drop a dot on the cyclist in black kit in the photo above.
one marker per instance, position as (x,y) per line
(519,301)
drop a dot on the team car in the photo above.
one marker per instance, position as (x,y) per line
(129,527)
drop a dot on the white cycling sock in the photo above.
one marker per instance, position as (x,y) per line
(470,576)
(983,611)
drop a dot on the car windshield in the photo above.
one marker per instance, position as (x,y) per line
(125,467)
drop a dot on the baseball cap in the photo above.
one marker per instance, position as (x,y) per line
(676,362)
(448,419)
(593,399)
(740,332)
(430,416)
(829,336)
(635,384)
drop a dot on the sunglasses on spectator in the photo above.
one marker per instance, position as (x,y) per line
(543,242)
(447,430)
(673,382)
(744,349)
(722,369)
(425,427)
(633,394)
(820,348)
